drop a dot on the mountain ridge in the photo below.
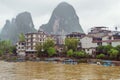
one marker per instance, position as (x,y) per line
(21,24)
(63,20)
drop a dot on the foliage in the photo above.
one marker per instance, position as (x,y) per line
(39,47)
(51,51)
(100,56)
(107,48)
(5,46)
(21,37)
(13,49)
(100,49)
(70,53)
(80,54)
(104,49)
(47,44)
(45,47)
(118,48)
(71,43)
(113,53)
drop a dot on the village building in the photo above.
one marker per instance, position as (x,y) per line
(87,44)
(99,36)
(76,35)
(20,47)
(32,39)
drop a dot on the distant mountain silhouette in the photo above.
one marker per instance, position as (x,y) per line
(21,24)
(64,20)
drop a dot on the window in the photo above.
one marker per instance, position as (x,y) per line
(87,49)
(22,48)
(109,38)
(23,43)
(99,44)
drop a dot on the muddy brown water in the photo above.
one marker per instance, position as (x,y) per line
(56,71)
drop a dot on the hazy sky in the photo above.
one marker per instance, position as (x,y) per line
(91,12)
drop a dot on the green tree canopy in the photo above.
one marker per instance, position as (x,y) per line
(47,44)
(113,53)
(107,48)
(39,48)
(21,37)
(71,43)
(5,47)
(70,53)
(104,49)
(80,54)
(118,48)
(100,56)
(51,51)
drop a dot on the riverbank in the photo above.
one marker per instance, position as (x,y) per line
(66,60)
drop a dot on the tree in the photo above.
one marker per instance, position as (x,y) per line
(100,49)
(118,48)
(45,47)
(104,49)
(107,48)
(47,44)
(71,43)
(100,56)
(113,53)
(70,53)
(6,47)
(80,54)
(51,51)
(39,48)
(21,37)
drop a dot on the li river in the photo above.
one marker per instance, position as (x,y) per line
(56,71)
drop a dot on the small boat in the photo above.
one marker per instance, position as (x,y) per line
(107,63)
(69,61)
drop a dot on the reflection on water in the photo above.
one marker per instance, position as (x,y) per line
(56,71)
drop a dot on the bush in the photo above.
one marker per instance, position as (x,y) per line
(70,53)
(113,53)
(100,56)
(80,54)
(51,51)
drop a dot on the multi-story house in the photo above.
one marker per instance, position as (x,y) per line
(87,44)
(99,37)
(20,46)
(75,35)
(34,38)
(99,31)
(110,39)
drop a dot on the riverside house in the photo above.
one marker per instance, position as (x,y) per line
(96,37)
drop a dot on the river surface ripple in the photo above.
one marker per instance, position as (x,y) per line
(56,71)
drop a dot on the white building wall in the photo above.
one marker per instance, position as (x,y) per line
(114,44)
(104,43)
(20,49)
(86,42)
(88,45)
(104,38)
